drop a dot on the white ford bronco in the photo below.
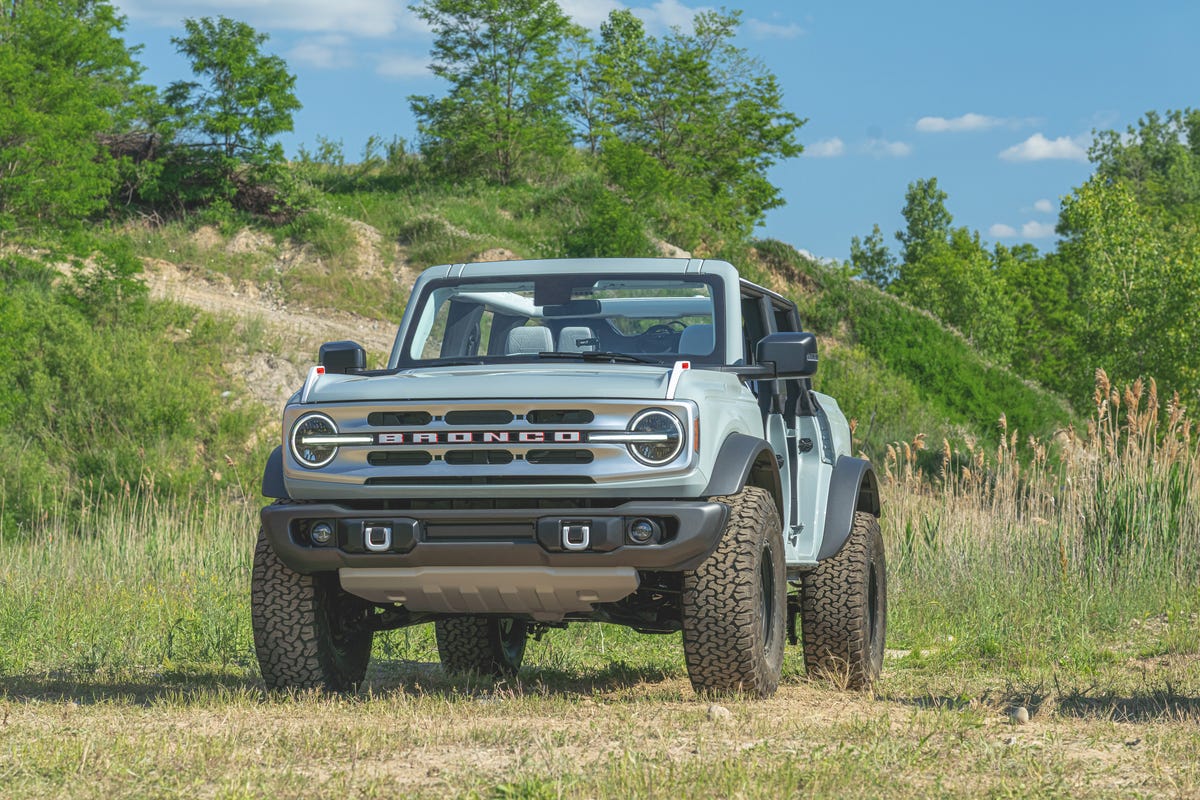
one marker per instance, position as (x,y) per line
(632,441)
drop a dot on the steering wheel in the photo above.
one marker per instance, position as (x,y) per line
(658,338)
(663,328)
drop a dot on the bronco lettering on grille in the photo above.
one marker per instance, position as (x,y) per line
(479,437)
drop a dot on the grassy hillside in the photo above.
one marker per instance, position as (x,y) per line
(896,368)
(343,269)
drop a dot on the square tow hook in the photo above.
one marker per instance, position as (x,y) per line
(575,536)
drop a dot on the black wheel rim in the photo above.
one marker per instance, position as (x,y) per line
(766,581)
(511,633)
(875,620)
(345,621)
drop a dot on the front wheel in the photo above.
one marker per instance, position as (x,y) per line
(733,604)
(484,645)
(308,631)
(843,605)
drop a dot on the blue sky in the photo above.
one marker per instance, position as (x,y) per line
(998,100)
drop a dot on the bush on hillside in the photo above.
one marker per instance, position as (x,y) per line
(104,394)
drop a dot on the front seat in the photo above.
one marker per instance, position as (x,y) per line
(569,339)
(696,340)
(529,340)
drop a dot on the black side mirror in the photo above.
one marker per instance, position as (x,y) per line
(794,355)
(342,358)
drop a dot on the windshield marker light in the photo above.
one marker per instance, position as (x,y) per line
(676,374)
(310,382)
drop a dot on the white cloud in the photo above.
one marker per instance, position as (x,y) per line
(1039,148)
(882,148)
(372,18)
(1037,230)
(826,148)
(1002,231)
(589,13)
(325,52)
(666,14)
(402,65)
(967,122)
(1044,206)
(761,29)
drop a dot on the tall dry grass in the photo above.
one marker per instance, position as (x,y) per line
(1037,548)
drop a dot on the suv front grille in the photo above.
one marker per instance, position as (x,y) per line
(450,443)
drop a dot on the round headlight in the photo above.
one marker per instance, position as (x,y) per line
(664,433)
(307,453)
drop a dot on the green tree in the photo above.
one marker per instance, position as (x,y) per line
(244,97)
(66,78)
(927,222)
(1137,286)
(222,125)
(1159,160)
(872,259)
(955,280)
(698,111)
(1037,291)
(508,75)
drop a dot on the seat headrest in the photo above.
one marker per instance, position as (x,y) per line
(696,340)
(570,336)
(529,339)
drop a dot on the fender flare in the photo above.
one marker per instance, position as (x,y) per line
(852,487)
(745,460)
(272,479)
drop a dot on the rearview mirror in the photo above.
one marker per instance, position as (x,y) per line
(573,308)
(794,355)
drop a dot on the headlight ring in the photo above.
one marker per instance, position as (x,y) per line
(667,433)
(311,455)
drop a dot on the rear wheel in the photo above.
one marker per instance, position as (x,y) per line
(733,604)
(843,606)
(308,632)
(483,645)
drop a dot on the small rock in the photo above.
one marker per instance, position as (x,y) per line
(1020,715)
(718,713)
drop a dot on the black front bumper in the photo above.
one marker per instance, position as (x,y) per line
(686,532)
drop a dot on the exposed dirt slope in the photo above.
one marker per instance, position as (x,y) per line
(294,333)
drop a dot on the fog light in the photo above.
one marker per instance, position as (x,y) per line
(642,531)
(321,533)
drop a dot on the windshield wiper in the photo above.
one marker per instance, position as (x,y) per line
(597,355)
(458,362)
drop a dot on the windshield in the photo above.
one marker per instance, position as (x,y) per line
(657,319)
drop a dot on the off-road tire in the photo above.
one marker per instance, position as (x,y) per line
(733,604)
(300,627)
(492,646)
(843,609)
